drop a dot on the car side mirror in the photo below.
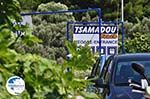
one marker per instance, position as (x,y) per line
(141,70)
(99,83)
(138,68)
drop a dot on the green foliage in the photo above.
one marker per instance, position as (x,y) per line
(142,26)
(10,12)
(134,9)
(147,10)
(79,62)
(110,8)
(44,78)
(13,11)
(51,29)
(29,5)
(139,43)
(52,6)
(137,36)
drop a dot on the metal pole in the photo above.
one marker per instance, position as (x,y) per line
(67,31)
(99,24)
(59,12)
(122,19)
(123,36)
(122,11)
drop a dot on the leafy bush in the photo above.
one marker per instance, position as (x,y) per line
(44,78)
(137,36)
(51,29)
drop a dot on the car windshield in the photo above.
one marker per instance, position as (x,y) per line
(124,72)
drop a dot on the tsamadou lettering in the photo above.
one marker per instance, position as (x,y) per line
(94,29)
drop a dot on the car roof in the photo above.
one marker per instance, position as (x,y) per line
(133,56)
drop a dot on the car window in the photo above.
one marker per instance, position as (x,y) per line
(110,66)
(105,67)
(108,72)
(124,72)
(96,68)
(147,68)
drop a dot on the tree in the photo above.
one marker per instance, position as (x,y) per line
(44,78)
(29,5)
(9,65)
(51,29)
(137,36)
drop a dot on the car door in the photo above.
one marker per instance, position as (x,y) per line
(106,75)
(105,67)
(96,69)
(95,73)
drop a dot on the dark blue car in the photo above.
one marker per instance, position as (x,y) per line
(116,73)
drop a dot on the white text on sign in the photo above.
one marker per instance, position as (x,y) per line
(94,29)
